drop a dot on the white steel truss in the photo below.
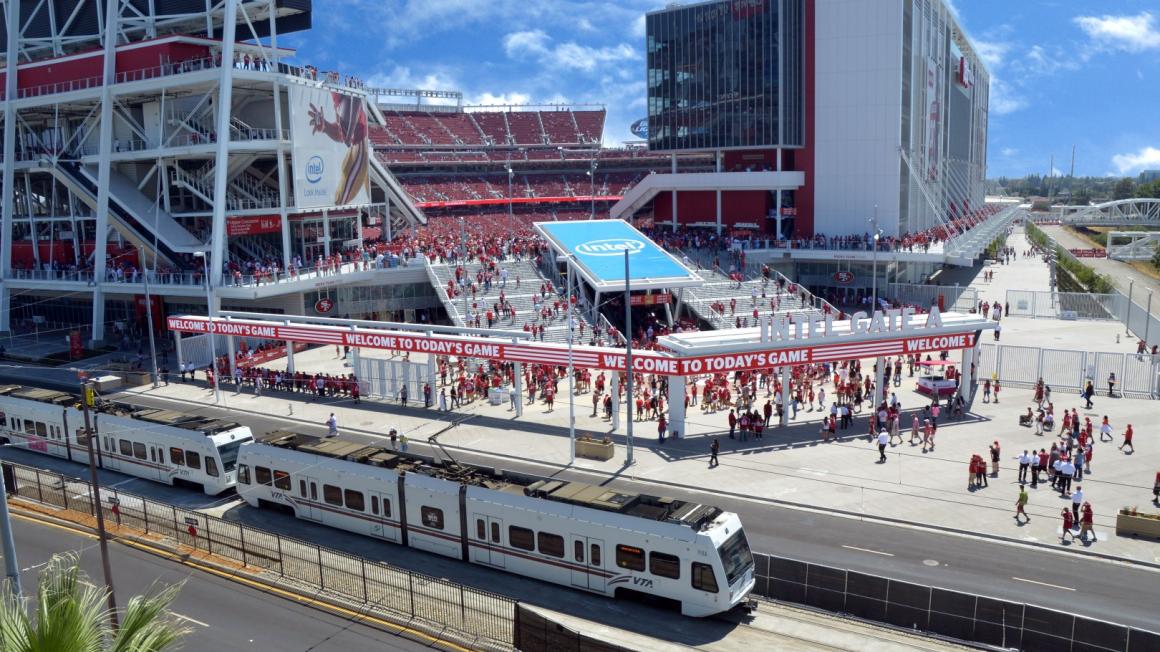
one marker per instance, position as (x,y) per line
(1123,212)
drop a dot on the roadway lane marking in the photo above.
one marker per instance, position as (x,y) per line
(187,618)
(1054,586)
(873,552)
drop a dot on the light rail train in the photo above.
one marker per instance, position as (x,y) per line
(574,534)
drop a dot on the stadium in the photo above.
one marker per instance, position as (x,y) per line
(130,195)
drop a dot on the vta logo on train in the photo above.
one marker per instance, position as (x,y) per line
(610,247)
(314,168)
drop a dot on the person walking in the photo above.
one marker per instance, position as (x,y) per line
(332,426)
(996,390)
(394,439)
(443,400)
(1068,524)
(732,423)
(995,459)
(1024,464)
(1034,461)
(1077,498)
(403,395)
(714,448)
(883,440)
(914,429)
(1106,430)
(1089,390)
(1156,490)
(1021,504)
(1128,439)
(1086,523)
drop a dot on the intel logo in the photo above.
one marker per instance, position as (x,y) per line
(610,247)
(314,169)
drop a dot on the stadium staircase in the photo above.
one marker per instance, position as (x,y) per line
(135,216)
(521,299)
(719,288)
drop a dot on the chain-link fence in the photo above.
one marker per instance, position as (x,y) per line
(1137,375)
(453,611)
(933,610)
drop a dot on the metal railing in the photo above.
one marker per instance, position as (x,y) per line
(943,612)
(484,619)
(1024,366)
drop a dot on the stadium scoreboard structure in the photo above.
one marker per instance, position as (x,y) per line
(596,249)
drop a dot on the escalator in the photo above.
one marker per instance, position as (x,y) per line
(135,216)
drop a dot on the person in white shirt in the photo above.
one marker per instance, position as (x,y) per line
(1077,499)
(1024,464)
(883,440)
(332,426)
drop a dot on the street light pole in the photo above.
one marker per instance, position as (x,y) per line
(571,369)
(88,396)
(204,255)
(11,567)
(628,356)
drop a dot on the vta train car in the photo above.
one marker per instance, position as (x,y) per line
(158,445)
(569,533)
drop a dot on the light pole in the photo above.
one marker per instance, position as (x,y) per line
(592,188)
(511,173)
(628,357)
(571,369)
(874,258)
(88,399)
(204,256)
(11,567)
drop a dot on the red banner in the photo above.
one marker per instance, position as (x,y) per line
(515,200)
(823,350)
(253,224)
(76,347)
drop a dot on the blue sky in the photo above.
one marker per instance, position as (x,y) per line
(1063,72)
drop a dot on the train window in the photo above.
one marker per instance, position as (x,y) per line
(521,537)
(313,491)
(629,557)
(262,475)
(480,529)
(551,544)
(126,447)
(281,479)
(332,495)
(375,505)
(386,508)
(354,500)
(664,565)
(703,578)
(3,420)
(177,456)
(244,474)
(211,467)
(302,488)
(578,550)
(432,517)
(29,428)
(494,532)
(139,450)
(41,429)
(193,460)
(108,443)
(594,554)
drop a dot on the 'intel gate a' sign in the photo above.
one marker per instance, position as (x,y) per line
(610,247)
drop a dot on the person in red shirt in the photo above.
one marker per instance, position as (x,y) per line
(1156,489)
(1128,439)
(1068,524)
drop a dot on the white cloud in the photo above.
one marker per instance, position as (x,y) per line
(992,52)
(638,27)
(1009,152)
(404,77)
(568,56)
(1129,33)
(503,99)
(1146,158)
(1004,98)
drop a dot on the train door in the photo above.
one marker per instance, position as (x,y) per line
(381,513)
(587,562)
(487,547)
(309,500)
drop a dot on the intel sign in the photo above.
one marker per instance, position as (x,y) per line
(314,168)
(610,247)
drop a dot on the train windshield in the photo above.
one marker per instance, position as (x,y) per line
(229,453)
(736,557)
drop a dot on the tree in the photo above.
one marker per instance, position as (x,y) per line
(1123,189)
(69,614)
(1150,190)
(1156,258)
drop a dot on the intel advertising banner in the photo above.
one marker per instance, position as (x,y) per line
(600,245)
(331,148)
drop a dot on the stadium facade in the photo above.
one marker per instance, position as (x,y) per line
(816,112)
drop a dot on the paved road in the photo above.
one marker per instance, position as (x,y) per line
(1053,579)
(223,615)
(1122,274)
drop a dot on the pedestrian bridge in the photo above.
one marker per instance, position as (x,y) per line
(1123,212)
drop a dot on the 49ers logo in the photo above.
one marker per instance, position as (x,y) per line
(323,305)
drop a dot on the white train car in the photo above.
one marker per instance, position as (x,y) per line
(573,534)
(159,445)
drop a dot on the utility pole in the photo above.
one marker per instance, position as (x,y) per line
(628,356)
(11,567)
(88,396)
